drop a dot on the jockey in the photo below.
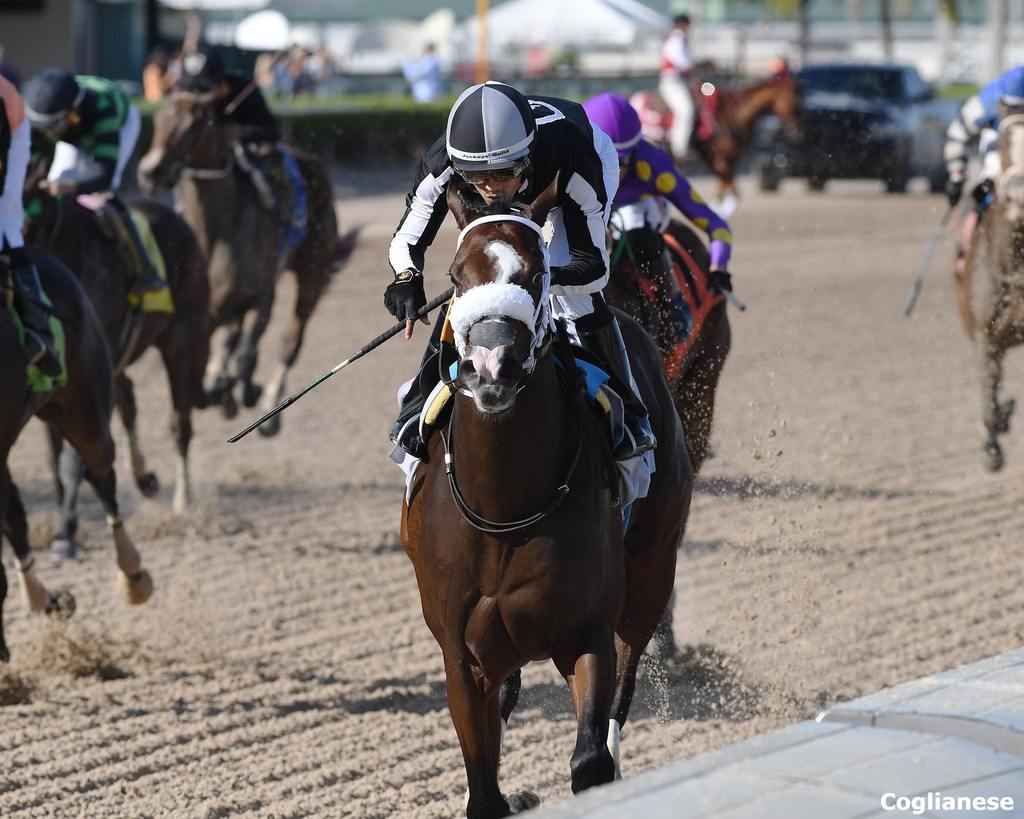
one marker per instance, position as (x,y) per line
(95,127)
(979,119)
(648,177)
(240,102)
(499,146)
(677,67)
(15,149)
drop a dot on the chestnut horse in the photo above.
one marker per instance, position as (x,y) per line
(81,410)
(243,242)
(511,525)
(736,111)
(998,325)
(692,366)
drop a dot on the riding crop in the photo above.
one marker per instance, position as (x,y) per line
(915,288)
(366,348)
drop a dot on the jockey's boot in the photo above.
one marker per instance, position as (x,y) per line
(147,279)
(406,430)
(604,340)
(34,315)
(273,162)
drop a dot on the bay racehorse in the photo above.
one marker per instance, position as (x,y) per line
(692,364)
(243,241)
(88,243)
(725,122)
(511,524)
(993,311)
(81,410)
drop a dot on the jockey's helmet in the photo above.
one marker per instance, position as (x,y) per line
(614,115)
(1011,88)
(491,127)
(201,71)
(50,96)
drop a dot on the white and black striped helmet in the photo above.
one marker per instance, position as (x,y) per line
(491,127)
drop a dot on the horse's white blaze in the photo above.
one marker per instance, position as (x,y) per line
(510,264)
(614,747)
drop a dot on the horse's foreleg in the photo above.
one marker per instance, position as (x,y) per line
(133,582)
(218,374)
(180,364)
(70,469)
(478,724)
(591,679)
(247,355)
(33,592)
(146,481)
(996,415)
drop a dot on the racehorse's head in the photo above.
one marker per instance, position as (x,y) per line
(1010,184)
(786,102)
(182,137)
(500,315)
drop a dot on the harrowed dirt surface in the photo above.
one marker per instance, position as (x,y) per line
(843,538)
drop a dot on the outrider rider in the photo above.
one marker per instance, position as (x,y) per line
(649,179)
(499,146)
(239,102)
(15,150)
(95,128)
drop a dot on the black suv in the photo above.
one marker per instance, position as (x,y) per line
(859,121)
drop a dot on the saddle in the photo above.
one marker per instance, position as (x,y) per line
(112,225)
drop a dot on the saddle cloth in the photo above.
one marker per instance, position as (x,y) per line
(634,473)
(156,301)
(38,382)
(296,223)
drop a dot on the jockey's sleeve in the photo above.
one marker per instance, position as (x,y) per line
(973,118)
(5,144)
(676,52)
(584,201)
(104,151)
(425,209)
(663,179)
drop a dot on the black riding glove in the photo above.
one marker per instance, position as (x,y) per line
(405,296)
(954,190)
(720,281)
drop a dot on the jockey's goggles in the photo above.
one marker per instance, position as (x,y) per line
(483,175)
(625,160)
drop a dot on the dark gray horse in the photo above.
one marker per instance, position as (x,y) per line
(242,241)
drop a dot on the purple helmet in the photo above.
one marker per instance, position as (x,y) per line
(616,117)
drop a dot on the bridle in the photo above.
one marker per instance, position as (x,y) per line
(180,167)
(540,345)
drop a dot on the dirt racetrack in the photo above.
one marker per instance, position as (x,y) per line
(844,537)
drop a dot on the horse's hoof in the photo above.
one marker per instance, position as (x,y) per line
(522,801)
(251,395)
(148,484)
(270,428)
(1005,411)
(62,605)
(229,406)
(135,591)
(994,457)
(63,549)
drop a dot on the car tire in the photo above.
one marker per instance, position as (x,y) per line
(899,176)
(769,178)
(816,183)
(937,183)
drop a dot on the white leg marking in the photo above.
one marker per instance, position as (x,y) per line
(613,745)
(182,486)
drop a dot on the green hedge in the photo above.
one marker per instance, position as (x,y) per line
(388,134)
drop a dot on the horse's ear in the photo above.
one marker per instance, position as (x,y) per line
(457,204)
(543,204)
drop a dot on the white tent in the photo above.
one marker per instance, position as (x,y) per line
(583,24)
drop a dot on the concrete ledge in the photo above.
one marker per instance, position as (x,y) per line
(959,733)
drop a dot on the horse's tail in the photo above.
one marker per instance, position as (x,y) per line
(347,242)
